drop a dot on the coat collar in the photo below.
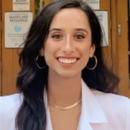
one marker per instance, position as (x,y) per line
(91,110)
(91,107)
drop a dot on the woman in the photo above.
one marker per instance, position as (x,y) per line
(64,83)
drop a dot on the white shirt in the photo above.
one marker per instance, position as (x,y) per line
(100,111)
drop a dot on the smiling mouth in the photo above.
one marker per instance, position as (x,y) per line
(68,60)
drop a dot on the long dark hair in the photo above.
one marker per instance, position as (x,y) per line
(31,80)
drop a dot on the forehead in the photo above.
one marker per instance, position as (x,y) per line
(70,18)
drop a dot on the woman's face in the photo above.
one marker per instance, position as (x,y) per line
(68,46)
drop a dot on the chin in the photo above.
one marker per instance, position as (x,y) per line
(67,74)
(62,73)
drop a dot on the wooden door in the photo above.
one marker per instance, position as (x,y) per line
(9,56)
(114,53)
(123,72)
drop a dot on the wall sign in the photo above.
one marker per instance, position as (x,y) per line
(17,25)
(21,5)
(103,18)
(94,4)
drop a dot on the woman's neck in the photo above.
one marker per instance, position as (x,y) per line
(63,91)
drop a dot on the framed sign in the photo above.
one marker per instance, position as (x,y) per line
(17,25)
(94,4)
(21,5)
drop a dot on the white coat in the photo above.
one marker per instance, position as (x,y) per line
(100,111)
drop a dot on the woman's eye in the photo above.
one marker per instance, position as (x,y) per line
(57,36)
(79,37)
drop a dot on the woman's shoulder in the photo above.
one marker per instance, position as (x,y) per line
(113,102)
(10,103)
(110,97)
(10,100)
(9,106)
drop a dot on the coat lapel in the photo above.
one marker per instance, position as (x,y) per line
(48,125)
(91,110)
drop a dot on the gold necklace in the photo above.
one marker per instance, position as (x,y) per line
(65,108)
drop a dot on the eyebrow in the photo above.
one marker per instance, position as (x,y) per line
(81,29)
(77,29)
(55,29)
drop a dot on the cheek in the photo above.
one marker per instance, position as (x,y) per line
(85,48)
(50,51)
(49,47)
(85,53)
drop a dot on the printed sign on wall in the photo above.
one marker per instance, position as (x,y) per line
(17,25)
(21,5)
(94,4)
(103,18)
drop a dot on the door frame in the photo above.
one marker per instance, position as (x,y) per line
(114,36)
(120,44)
(122,18)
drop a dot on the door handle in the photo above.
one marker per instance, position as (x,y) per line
(119,29)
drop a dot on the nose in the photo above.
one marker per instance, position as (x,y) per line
(68,46)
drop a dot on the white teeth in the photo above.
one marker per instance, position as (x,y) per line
(67,60)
